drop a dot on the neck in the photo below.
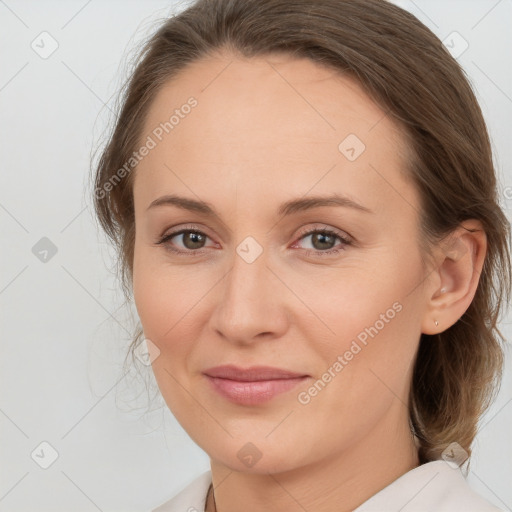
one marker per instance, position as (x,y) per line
(340,483)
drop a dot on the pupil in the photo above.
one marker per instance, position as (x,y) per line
(320,237)
(195,238)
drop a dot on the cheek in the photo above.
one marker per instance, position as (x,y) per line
(367,358)
(163,293)
(170,301)
(364,297)
(159,299)
(148,298)
(368,324)
(164,300)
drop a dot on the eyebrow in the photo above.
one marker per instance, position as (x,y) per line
(287,208)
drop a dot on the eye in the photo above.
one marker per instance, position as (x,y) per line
(322,241)
(191,240)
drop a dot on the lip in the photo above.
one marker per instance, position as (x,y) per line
(254,385)
(252,374)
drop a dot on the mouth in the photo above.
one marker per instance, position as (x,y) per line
(252,386)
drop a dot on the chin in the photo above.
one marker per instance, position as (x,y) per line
(259,456)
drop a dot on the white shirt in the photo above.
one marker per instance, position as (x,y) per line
(432,487)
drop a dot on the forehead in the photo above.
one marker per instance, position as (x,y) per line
(272,120)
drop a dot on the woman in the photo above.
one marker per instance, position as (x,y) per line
(304,203)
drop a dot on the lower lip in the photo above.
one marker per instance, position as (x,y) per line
(255,392)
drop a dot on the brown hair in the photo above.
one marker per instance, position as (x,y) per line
(404,68)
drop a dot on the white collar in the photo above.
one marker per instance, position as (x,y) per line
(432,487)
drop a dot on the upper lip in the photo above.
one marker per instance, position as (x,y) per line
(252,374)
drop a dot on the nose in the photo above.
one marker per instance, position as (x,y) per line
(250,303)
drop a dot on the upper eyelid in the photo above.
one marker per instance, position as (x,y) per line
(318,226)
(180,230)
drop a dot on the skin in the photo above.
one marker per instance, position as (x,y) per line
(265,131)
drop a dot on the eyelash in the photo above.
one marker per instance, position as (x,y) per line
(189,229)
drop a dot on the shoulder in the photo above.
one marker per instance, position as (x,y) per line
(190,499)
(434,486)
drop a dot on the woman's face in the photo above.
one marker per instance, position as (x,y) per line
(256,282)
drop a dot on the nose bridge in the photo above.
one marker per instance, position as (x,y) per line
(247,285)
(248,305)
(247,277)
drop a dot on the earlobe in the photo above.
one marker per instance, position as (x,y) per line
(441,291)
(461,258)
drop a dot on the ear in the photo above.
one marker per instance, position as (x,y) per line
(454,281)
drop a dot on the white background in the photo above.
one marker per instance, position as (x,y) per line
(64,328)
